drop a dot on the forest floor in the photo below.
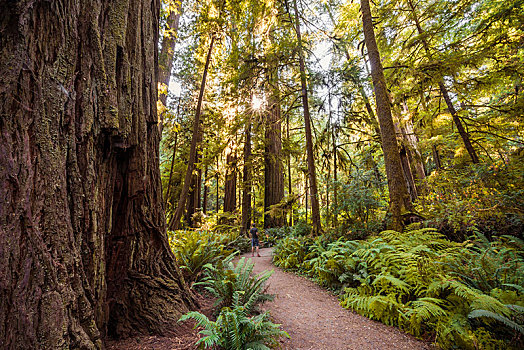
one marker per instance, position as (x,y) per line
(311,315)
(314,319)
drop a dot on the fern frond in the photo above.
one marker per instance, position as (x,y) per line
(492,315)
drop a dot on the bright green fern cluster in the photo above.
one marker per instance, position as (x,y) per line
(227,280)
(234,329)
(194,249)
(238,292)
(291,252)
(467,295)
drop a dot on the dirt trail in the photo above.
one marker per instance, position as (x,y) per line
(315,320)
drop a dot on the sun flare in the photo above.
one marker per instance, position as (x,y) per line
(257,102)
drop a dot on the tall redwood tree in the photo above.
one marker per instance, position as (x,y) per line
(83,248)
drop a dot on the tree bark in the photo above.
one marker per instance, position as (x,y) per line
(218,188)
(193,151)
(456,119)
(206,191)
(193,201)
(289,180)
(335,182)
(412,141)
(315,208)
(230,186)
(83,247)
(398,193)
(171,172)
(246,181)
(436,157)
(273,170)
(166,55)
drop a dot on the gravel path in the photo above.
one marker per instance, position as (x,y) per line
(315,320)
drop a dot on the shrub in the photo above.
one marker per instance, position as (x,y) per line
(301,228)
(272,236)
(235,330)
(486,198)
(462,294)
(195,249)
(291,252)
(225,280)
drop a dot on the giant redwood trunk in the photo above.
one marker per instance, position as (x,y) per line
(399,201)
(83,247)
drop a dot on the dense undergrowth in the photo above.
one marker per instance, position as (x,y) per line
(206,258)
(460,295)
(486,198)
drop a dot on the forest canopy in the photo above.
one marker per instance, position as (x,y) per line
(298,126)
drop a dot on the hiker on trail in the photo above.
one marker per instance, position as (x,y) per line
(254,240)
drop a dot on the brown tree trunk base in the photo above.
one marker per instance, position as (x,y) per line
(83,246)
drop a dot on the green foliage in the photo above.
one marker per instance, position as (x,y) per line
(290,252)
(195,249)
(301,228)
(274,235)
(235,330)
(226,282)
(483,198)
(463,294)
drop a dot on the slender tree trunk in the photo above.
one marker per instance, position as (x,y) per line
(398,193)
(82,229)
(315,208)
(436,157)
(218,187)
(193,201)
(206,191)
(246,185)
(171,171)
(456,119)
(408,175)
(230,186)
(306,195)
(335,179)
(289,173)
(166,55)
(193,151)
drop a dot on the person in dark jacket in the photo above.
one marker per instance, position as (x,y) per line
(254,240)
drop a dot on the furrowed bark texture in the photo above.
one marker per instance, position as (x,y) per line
(193,200)
(398,193)
(83,247)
